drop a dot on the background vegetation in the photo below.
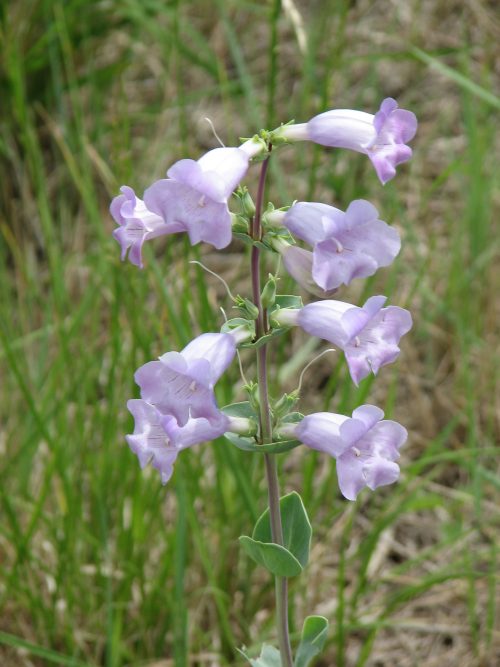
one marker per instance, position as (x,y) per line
(100,565)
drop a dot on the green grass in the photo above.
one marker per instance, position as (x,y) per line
(100,565)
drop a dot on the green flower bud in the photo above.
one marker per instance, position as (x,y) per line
(247,205)
(268,295)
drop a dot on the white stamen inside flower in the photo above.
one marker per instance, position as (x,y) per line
(356,452)
(192,386)
(201,201)
(339,245)
(357,341)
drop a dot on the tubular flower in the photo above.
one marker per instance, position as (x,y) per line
(178,408)
(365,446)
(195,194)
(181,384)
(137,224)
(383,136)
(346,245)
(158,438)
(369,336)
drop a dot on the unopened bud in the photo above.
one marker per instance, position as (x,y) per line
(247,205)
(285,404)
(268,295)
(247,307)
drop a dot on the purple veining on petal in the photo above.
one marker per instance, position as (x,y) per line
(378,343)
(149,441)
(137,224)
(365,446)
(181,383)
(369,336)
(178,407)
(346,245)
(200,216)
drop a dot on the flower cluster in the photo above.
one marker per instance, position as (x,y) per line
(178,408)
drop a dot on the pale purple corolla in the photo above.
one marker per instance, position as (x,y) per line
(192,199)
(195,193)
(299,264)
(369,336)
(178,407)
(181,384)
(365,446)
(382,137)
(346,245)
(137,224)
(158,438)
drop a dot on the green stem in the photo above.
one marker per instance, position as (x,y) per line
(266,430)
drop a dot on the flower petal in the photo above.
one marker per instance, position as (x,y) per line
(218,349)
(329,433)
(200,216)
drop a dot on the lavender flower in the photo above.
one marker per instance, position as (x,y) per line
(195,194)
(365,446)
(181,384)
(158,438)
(369,336)
(178,408)
(346,245)
(382,136)
(137,224)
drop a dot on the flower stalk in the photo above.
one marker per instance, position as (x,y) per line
(265,435)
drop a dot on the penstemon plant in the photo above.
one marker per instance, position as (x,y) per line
(178,407)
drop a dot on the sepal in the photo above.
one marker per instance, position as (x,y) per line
(239,225)
(246,307)
(234,323)
(283,406)
(276,137)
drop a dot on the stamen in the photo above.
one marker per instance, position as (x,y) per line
(192,386)
(357,341)
(339,245)
(201,201)
(356,452)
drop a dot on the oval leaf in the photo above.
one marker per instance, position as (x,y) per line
(249,445)
(278,560)
(297,529)
(243,409)
(263,340)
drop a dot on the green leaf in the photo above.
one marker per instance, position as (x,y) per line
(243,409)
(312,640)
(269,657)
(249,445)
(275,558)
(41,652)
(263,340)
(249,241)
(458,78)
(297,529)
(289,301)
